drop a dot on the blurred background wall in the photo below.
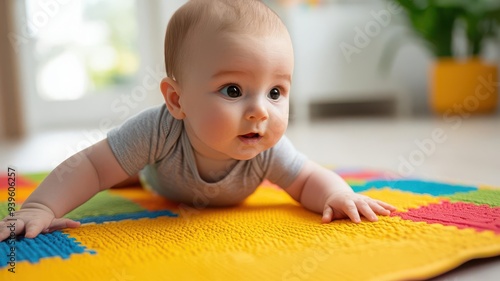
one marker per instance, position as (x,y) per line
(95,63)
(362,52)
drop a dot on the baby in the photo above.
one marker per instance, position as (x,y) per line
(220,132)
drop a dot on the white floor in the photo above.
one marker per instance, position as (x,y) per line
(434,148)
(465,149)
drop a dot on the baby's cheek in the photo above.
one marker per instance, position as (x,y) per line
(278,122)
(276,132)
(216,124)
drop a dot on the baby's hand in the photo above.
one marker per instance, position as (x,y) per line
(349,204)
(33,220)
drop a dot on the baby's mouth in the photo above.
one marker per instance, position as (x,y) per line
(250,138)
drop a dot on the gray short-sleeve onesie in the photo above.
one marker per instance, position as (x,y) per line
(156,144)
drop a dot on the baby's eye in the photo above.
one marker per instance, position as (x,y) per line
(274,94)
(231,91)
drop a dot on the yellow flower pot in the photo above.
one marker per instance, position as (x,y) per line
(469,86)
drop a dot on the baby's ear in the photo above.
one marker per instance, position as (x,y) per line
(171,93)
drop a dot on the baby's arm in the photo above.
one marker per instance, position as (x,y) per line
(323,191)
(68,186)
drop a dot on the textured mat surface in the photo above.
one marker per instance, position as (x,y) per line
(131,234)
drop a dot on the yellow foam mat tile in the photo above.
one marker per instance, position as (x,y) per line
(402,200)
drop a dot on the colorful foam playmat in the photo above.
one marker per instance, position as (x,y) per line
(133,234)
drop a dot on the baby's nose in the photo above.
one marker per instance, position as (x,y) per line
(256,111)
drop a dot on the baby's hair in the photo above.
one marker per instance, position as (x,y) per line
(241,16)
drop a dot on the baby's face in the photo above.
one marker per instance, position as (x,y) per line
(235,93)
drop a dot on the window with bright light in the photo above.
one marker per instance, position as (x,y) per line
(87,48)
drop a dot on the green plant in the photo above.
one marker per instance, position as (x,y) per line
(435,22)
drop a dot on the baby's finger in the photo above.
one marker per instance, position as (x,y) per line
(366,211)
(327,214)
(33,228)
(378,209)
(351,210)
(62,223)
(386,205)
(7,227)
(4,231)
